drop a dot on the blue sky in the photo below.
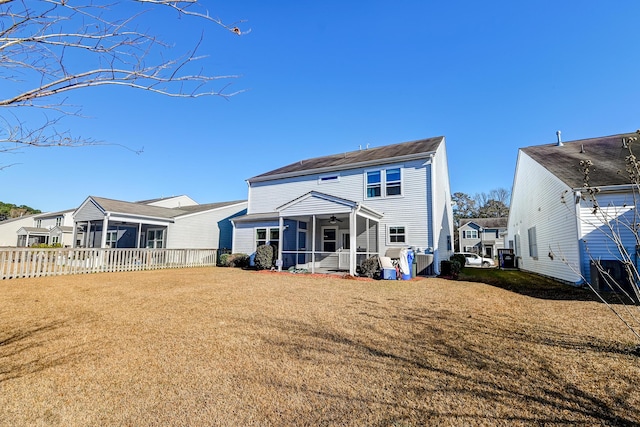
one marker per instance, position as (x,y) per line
(327,77)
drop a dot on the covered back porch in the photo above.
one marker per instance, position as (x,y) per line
(324,233)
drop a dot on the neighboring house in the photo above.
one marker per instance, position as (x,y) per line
(333,212)
(483,236)
(50,228)
(9,229)
(45,228)
(553,225)
(174,222)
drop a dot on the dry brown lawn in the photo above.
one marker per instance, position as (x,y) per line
(213,346)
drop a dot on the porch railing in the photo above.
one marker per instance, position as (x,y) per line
(18,263)
(320,260)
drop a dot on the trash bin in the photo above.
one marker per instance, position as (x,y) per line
(406,268)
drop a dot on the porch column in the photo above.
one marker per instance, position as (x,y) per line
(368,231)
(352,242)
(313,244)
(139,235)
(103,237)
(75,234)
(281,235)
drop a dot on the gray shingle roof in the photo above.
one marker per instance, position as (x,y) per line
(370,156)
(209,206)
(120,206)
(607,154)
(134,208)
(486,222)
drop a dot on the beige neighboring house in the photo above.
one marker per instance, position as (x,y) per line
(47,228)
(483,236)
(174,222)
(9,229)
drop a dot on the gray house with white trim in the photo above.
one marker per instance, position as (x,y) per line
(482,236)
(332,212)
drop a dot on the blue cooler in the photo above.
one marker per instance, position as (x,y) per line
(389,273)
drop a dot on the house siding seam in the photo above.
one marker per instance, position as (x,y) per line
(537,202)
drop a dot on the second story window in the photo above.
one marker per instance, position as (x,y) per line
(374,184)
(470,234)
(58,221)
(388,179)
(393,183)
(38,223)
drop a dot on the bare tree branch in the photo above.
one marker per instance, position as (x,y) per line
(49,48)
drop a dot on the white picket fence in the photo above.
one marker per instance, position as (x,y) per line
(18,263)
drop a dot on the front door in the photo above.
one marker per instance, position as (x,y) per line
(344,250)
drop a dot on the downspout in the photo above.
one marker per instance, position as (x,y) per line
(281,243)
(233,237)
(436,254)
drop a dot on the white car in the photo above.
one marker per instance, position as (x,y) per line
(475,260)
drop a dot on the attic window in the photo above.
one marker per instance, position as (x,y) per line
(324,179)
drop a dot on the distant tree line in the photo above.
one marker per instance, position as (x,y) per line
(9,210)
(494,204)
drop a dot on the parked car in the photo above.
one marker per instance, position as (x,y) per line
(475,260)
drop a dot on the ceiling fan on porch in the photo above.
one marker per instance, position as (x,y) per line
(333,219)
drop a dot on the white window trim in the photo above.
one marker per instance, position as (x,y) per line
(383,182)
(384,187)
(163,240)
(110,238)
(469,236)
(406,235)
(267,239)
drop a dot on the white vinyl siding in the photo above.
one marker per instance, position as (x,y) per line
(244,238)
(617,210)
(537,202)
(188,231)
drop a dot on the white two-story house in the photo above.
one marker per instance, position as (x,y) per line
(332,212)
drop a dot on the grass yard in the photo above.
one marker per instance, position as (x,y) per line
(213,346)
